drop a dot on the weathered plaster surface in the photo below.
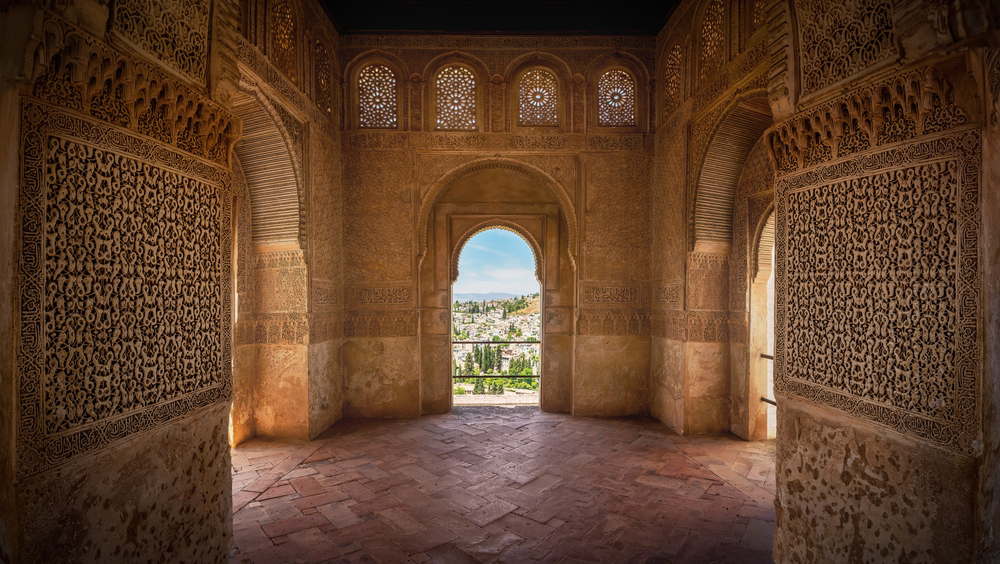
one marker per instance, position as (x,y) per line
(706,387)
(989,468)
(326,386)
(557,370)
(282,392)
(848,491)
(162,496)
(667,382)
(242,421)
(611,375)
(435,382)
(383,380)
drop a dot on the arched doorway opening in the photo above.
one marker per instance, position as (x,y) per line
(483,194)
(760,354)
(496,319)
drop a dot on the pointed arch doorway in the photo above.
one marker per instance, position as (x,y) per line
(495,318)
(488,194)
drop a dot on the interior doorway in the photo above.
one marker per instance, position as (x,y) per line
(496,352)
(761,349)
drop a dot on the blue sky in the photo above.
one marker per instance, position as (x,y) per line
(496,261)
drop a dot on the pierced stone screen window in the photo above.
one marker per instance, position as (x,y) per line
(456,99)
(615,99)
(377,97)
(538,99)
(283,38)
(672,81)
(324,82)
(712,40)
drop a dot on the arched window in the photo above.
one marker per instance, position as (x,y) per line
(283,38)
(713,37)
(672,81)
(538,97)
(324,80)
(615,99)
(377,97)
(456,99)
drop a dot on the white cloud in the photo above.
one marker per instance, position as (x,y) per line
(489,250)
(508,274)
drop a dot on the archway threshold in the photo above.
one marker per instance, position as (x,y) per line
(508,398)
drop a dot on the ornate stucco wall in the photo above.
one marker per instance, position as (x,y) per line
(122,333)
(205,219)
(880,324)
(597,345)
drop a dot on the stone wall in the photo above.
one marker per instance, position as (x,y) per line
(988,525)
(393,176)
(879,305)
(122,313)
(903,382)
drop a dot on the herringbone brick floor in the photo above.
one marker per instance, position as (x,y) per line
(488,484)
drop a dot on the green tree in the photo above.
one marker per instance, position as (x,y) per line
(479,388)
(469,366)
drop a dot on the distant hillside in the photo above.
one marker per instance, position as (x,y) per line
(482,297)
(532,308)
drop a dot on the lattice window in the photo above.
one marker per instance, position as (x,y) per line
(672,81)
(758,14)
(615,99)
(713,40)
(456,99)
(283,38)
(377,97)
(537,94)
(324,79)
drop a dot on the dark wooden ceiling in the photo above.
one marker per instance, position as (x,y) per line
(502,17)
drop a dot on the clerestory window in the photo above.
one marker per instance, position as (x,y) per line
(538,97)
(615,99)
(377,97)
(456,99)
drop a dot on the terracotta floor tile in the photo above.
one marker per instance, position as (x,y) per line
(507,485)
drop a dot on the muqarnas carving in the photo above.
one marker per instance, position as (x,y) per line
(880,256)
(77,72)
(914,103)
(176,31)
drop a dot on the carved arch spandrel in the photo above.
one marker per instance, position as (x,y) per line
(557,190)
(496,223)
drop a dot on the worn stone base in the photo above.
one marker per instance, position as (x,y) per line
(852,492)
(162,496)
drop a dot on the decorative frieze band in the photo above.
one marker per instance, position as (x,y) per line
(614,322)
(380,297)
(380,323)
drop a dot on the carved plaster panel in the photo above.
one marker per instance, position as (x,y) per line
(380,297)
(104,285)
(708,281)
(175,31)
(881,255)
(614,322)
(839,40)
(380,323)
